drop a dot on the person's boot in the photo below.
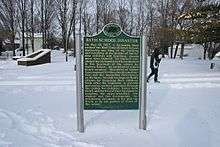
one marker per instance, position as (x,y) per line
(156,81)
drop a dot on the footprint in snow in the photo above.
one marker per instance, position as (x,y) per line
(39,126)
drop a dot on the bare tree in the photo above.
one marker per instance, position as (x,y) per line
(123,14)
(105,13)
(32,2)
(140,17)
(173,10)
(74,26)
(27,35)
(131,12)
(98,12)
(80,22)
(86,17)
(150,23)
(49,15)
(66,15)
(42,23)
(62,17)
(8,17)
(108,14)
(22,9)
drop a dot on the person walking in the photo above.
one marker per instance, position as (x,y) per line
(154,65)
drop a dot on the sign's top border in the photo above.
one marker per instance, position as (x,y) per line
(121,32)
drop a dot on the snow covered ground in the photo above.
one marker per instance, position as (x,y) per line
(37,108)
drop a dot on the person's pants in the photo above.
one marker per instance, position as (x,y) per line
(154,71)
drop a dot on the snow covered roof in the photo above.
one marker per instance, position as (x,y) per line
(26,58)
(218,54)
(36,35)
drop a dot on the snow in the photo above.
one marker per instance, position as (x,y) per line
(38,108)
(191,50)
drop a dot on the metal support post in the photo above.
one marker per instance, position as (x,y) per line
(79,94)
(143,89)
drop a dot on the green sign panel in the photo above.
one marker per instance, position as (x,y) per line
(111,70)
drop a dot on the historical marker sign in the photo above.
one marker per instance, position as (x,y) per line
(111,70)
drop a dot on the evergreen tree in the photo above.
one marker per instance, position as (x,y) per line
(205,27)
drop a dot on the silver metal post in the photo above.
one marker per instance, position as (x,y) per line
(79,94)
(143,93)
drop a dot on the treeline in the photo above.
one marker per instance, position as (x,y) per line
(203,27)
(178,22)
(67,19)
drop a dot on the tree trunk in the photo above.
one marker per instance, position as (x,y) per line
(84,22)
(131,4)
(80,25)
(66,50)
(80,20)
(1,46)
(213,51)
(171,50)
(42,23)
(205,51)
(182,50)
(173,11)
(13,41)
(151,30)
(97,16)
(27,36)
(11,10)
(74,35)
(65,42)
(74,27)
(13,35)
(209,49)
(32,25)
(175,53)
(23,25)
(65,30)
(45,24)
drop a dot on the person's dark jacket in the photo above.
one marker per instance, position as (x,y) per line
(155,60)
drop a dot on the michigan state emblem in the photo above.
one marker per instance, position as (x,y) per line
(112,30)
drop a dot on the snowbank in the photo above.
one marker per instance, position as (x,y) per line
(38,108)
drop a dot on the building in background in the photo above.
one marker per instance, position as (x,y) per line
(37,41)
